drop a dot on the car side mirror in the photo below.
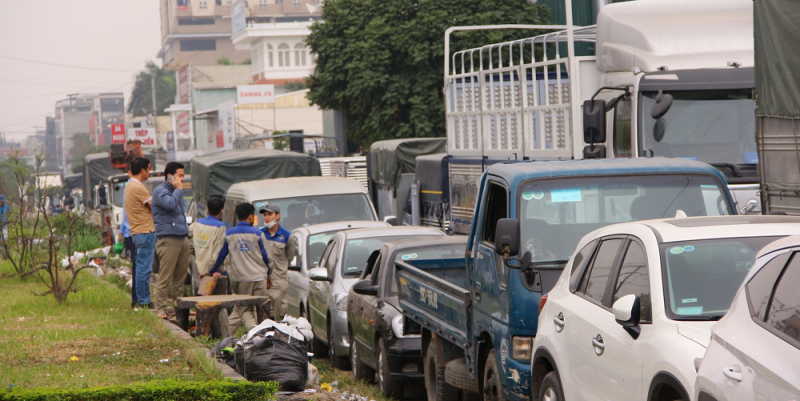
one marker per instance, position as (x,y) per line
(627,313)
(365,287)
(318,274)
(506,237)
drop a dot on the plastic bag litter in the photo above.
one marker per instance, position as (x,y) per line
(300,324)
(261,329)
(223,351)
(313,377)
(273,353)
(97,271)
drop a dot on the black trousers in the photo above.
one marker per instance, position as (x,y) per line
(131,247)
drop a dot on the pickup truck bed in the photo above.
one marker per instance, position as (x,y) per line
(432,293)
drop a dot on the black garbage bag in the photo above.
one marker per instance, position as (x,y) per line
(223,356)
(277,358)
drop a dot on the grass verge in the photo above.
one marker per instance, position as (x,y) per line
(95,339)
(328,374)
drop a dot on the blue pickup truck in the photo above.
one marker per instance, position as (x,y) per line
(478,315)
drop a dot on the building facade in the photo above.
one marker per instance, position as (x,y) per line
(91,114)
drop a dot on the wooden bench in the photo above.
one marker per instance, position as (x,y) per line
(207,309)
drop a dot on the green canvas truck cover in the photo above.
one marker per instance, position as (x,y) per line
(214,173)
(389,159)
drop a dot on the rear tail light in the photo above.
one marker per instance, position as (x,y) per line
(542,301)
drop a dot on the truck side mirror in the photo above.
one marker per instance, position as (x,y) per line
(594,121)
(594,128)
(663,103)
(506,237)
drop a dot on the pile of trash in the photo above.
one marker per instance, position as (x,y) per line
(272,351)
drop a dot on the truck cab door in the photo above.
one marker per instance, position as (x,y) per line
(490,302)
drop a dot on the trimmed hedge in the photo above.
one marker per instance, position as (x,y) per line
(161,391)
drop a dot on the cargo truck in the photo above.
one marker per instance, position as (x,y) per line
(668,78)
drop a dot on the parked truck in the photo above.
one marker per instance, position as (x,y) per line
(478,316)
(777,73)
(670,78)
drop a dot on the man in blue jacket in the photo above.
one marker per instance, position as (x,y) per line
(172,233)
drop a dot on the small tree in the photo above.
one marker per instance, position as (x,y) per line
(23,224)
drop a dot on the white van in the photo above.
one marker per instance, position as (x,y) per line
(304,201)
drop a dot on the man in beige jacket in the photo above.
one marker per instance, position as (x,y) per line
(208,237)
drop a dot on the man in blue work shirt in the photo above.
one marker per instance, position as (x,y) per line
(280,254)
(5,211)
(250,268)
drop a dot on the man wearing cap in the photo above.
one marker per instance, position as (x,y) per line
(279,255)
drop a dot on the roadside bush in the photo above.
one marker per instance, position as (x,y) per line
(85,235)
(166,390)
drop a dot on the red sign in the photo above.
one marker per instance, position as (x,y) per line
(117,133)
(220,139)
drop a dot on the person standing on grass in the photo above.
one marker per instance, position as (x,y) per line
(249,272)
(208,237)
(137,201)
(125,234)
(280,254)
(172,232)
(5,211)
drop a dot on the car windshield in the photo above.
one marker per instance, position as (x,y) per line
(357,252)
(316,245)
(702,277)
(448,251)
(305,211)
(556,214)
(715,126)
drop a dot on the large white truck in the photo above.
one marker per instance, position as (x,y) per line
(670,78)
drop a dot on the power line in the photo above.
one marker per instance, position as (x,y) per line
(61,65)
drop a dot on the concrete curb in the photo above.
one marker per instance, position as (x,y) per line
(226,370)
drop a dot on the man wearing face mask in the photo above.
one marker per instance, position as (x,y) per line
(279,255)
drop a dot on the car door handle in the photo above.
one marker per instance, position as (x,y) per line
(599,345)
(559,321)
(733,372)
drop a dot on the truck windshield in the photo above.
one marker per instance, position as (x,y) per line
(715,126)
(358,250)
(702,276)
(556,214)
(308,210)
(118,193)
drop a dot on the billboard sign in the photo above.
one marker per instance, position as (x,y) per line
(146,135)
(238,19)
(184,77)
(117,133)
(255,94)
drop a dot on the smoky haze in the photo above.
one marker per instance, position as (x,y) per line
(110,39)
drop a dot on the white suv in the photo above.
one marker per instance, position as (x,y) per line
(631,314)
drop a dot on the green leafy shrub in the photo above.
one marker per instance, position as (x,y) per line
(165,390)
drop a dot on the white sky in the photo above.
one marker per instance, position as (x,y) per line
(120,35)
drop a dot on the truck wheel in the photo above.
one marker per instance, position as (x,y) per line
(435,384)
(360,370)
(389,386)
(492,381)
(550,389)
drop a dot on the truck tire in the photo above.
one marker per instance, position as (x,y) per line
(434,372)
(550,389)
(457,375)
(492,379)
(390,387)
(360,370)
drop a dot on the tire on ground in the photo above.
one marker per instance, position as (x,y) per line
(550,389)
(434,372)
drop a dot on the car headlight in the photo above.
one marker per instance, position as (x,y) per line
(340,301)
(397,326)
